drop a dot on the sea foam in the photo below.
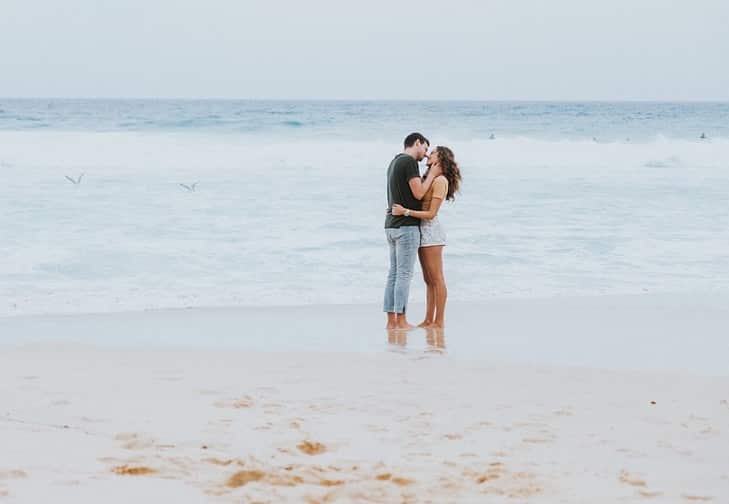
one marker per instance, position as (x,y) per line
(279,221)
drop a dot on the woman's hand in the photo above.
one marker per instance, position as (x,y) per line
(398,209)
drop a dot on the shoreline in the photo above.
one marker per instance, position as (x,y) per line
(651,331)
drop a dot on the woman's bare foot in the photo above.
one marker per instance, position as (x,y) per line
(437,325)
(425,324)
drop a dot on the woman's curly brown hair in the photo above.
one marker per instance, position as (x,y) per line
(451,172)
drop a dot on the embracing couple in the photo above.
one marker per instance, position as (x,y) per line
(413,229)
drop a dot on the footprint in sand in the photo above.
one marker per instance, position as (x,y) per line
(127,470)
(495,471)
(630,479)
(696,498)
(635,481)
(498,481)
(649,495)
(120,461)
(311,447)
(275,478)
(398,480)
(223,462)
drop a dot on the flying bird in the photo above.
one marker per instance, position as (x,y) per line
(191,187)
(75,181)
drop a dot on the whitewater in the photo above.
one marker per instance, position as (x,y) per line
(288,209)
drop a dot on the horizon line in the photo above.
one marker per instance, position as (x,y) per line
(366,100)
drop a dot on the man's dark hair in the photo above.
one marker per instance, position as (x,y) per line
(414,137)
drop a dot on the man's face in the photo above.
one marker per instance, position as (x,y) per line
(421,150)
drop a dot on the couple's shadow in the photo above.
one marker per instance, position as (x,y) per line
(434,338)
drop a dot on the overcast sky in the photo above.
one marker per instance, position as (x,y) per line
(457,49)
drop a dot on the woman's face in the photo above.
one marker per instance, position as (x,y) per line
(432,157)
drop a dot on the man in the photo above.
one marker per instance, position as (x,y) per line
(407,188)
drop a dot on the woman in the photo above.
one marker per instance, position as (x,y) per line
(432,235)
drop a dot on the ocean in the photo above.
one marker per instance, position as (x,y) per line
(558,199)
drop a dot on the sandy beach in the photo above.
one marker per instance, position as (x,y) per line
(85,421)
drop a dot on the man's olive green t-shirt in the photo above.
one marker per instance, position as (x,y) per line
(401,170)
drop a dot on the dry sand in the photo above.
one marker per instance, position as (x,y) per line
(90,424)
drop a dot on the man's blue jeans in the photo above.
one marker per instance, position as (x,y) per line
(404,243)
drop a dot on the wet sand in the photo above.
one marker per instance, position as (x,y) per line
(644,332)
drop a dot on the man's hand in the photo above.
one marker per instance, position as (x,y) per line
(398,209)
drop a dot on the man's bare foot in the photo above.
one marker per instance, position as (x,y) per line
(425,324)
(391,321)
(404,326)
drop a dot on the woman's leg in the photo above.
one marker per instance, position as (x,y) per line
(429,293)
(433,261)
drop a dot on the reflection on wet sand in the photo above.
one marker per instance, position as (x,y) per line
(434,338)
(397,337)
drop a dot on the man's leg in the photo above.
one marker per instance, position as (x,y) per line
(389,303)
(406,251)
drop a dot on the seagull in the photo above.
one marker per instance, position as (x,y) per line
(75,181)
(703,136)
(191,187)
